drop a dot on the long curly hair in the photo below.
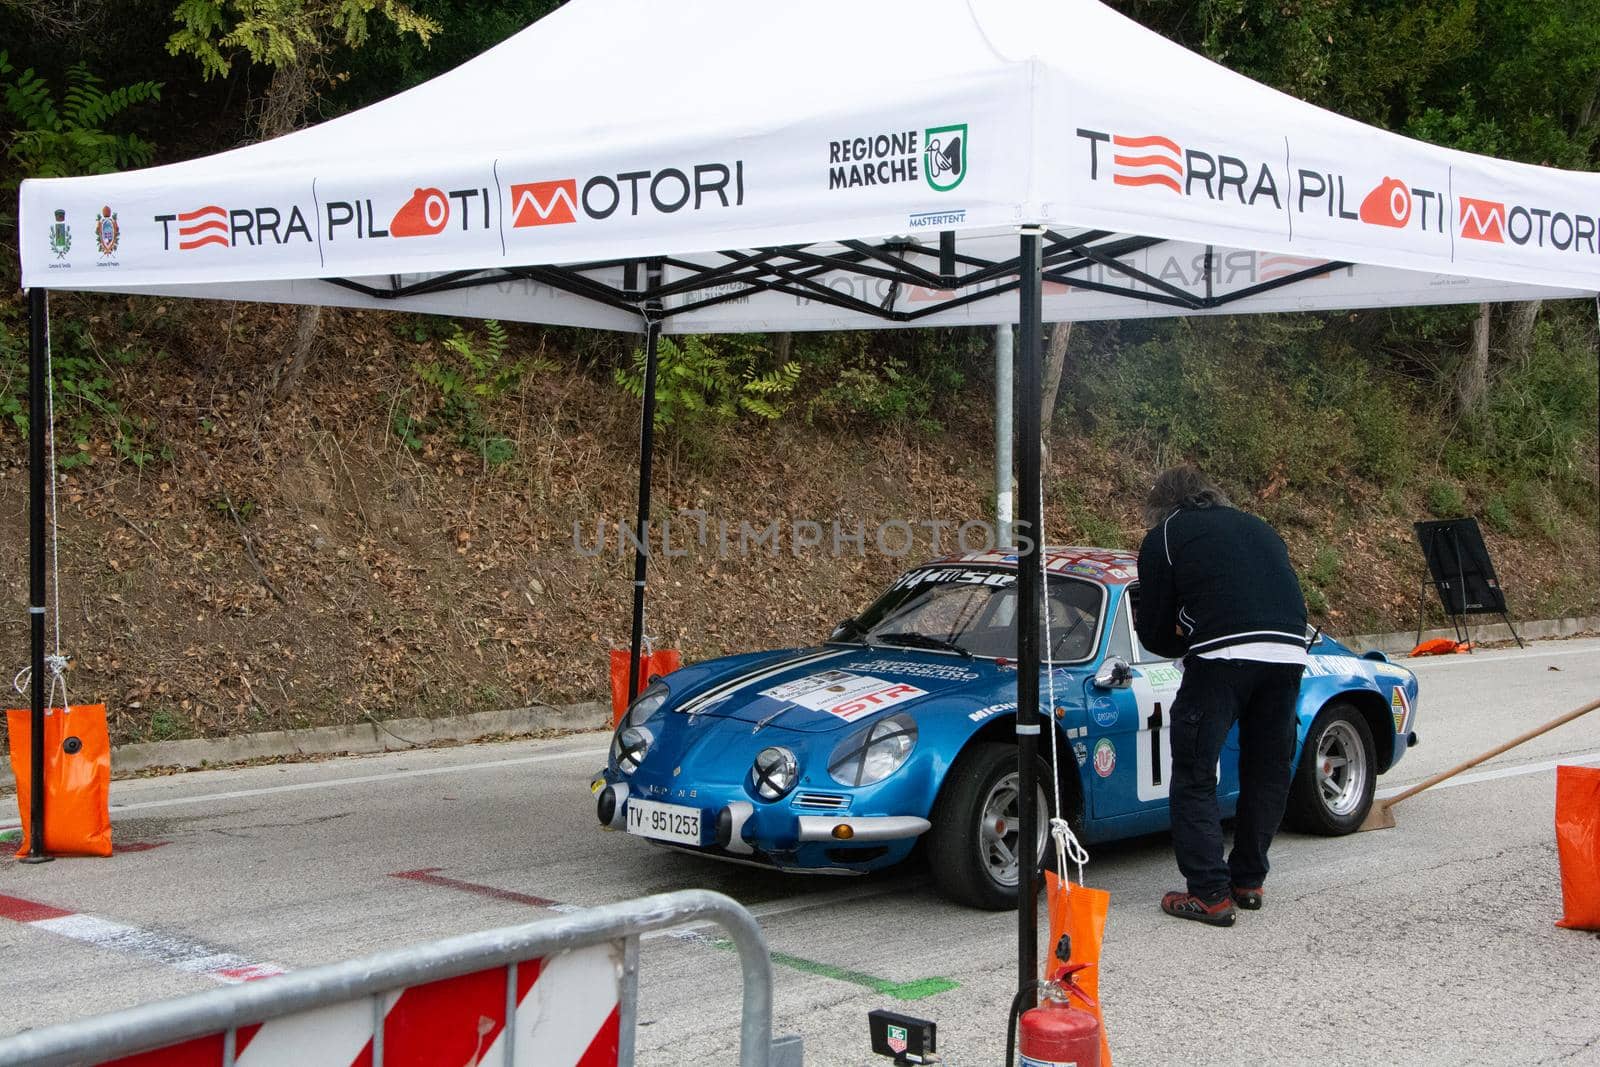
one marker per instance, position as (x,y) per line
(1181,487)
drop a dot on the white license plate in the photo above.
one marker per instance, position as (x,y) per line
(664,822)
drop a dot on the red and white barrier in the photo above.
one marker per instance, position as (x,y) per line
(567,1015)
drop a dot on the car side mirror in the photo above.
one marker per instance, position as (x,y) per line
(844,629)
(1114,673)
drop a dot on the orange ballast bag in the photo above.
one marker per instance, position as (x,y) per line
(1080,913)
(651,664)
(1578,845)
(77,779)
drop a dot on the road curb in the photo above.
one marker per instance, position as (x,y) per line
(392,736)
(1531,630)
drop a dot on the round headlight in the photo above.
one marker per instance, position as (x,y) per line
(872,754)
(628,748)
(775,772)
(645,705)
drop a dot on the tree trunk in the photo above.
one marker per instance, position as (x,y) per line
(1472,379)
(782,348)
(283,108)
(1519,333)
(1055,361)
(305,341)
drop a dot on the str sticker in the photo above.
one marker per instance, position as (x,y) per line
(1105,757)
(842,694)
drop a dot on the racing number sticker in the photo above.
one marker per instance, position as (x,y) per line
(1153,689)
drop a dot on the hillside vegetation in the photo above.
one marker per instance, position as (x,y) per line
(271,518)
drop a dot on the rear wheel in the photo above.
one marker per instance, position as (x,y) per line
(1338,774)
(972,848)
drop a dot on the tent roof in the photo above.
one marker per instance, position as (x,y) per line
(614,130)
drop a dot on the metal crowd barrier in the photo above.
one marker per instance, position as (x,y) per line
(346,1012)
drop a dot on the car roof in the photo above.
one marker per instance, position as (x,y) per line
(1109,566)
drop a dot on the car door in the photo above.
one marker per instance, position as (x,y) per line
(1134,725)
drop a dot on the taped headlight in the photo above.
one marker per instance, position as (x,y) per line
(645,705)
(872,754)
(774,772)
(629,747)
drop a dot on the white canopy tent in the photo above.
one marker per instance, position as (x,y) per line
(615,130)
(723,165)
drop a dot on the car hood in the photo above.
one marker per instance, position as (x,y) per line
(818,690)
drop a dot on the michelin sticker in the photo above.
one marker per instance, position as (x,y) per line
(993,709)
(1080,750)
(842,694)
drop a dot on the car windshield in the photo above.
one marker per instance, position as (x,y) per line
(973,611)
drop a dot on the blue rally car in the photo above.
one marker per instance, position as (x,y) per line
(900,728)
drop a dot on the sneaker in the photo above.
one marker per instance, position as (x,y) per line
(1249,899)
(1187,906)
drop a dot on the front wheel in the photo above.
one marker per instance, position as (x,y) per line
(972,848)
(1338,774)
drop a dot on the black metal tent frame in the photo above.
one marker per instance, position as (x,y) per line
(798,271)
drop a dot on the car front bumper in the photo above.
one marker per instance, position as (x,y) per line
(774,834)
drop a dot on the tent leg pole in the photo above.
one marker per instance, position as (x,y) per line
(38,427)
(1029,388)
(1004,491)
(641,556)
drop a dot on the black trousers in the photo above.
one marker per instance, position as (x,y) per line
(1214,695)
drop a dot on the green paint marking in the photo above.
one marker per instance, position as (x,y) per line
(916,989)
(10,835)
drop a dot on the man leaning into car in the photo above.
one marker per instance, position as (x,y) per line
(1216,589)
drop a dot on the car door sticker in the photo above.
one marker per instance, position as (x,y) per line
(1153,688)
(842,694)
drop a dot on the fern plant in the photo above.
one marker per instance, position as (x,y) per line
(471,374)
(703,384)
(50,138)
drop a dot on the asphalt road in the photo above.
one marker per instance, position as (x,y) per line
(1429,943)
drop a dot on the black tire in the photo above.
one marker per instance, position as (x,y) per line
(956,850)
(1328,797)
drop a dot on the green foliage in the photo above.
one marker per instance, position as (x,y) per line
(875,377)
(1325,566)
(50,138)
(1087,522)
(282,33)
(468,378)
(1446,500)
(1497,514)
(86,404)
(1316,600)
(706,383)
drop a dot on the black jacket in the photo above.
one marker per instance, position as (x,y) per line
(1214,577)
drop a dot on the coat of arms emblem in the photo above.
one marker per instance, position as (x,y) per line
(60,235)
(106,231)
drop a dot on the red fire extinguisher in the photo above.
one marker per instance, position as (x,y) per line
(1057,1033)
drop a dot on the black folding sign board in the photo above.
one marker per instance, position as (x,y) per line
(1460,567)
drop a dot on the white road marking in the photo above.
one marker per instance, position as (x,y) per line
(1472,777)
(331,783)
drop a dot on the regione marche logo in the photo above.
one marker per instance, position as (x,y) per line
(945,157)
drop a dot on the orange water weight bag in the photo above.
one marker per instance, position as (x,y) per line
(651,664)
(77,779)
(1578,845)
(1080,913)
